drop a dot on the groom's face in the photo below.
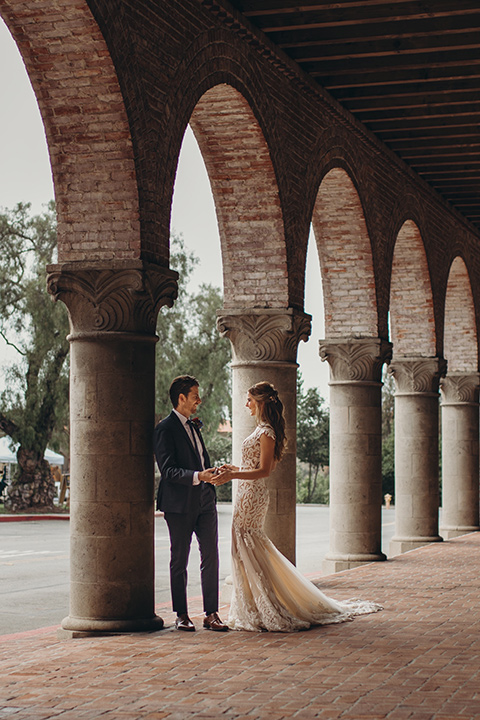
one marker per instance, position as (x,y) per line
(190,401)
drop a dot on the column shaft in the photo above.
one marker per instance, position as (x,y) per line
(111,537)
(460,454)
(416,452)
(112,316)
(355,451)
(264,344)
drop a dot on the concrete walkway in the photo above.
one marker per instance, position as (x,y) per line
(419,658)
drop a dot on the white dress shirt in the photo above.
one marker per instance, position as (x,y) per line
(195,440)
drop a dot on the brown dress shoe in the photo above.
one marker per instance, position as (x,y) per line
(183,622)
(213,622)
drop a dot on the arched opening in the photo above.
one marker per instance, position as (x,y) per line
(87,130)
(255,315)
(355,354)
(412,320)
(417,372)
(112,297)
(346,259)
(460,418)
(246,197)
(460,335)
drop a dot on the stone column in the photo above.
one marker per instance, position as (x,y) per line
(460,428)
(416,452)
(264,344)
(113,309)
(355,450)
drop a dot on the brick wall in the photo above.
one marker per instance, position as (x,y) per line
(345,258)
(411,301)
(86,127)
(247,201)
(461,343)
(117,84)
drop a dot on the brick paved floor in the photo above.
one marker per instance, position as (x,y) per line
(419,658)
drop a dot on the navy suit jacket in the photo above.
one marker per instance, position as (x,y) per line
(177,462)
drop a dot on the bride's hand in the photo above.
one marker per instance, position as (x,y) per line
(222,477)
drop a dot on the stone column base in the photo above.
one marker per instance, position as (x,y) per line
(452,532)
(337,563)
(73,627)
(401,545)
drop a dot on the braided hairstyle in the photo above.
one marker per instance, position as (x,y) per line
(270,411)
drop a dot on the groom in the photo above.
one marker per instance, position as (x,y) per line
(187,497)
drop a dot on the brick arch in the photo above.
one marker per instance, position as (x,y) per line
(412,318)
(345,255)
(246,197)
(86,127)
(460,333)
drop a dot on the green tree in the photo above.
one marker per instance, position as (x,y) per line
(189,344)
(313,429)
(36,386)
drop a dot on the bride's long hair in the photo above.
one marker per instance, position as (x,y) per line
(270,410)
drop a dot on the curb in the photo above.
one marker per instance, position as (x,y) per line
(54,516)
(22,518)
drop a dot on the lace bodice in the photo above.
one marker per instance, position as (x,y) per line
(251,447)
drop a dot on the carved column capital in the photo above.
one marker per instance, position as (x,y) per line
(460,388)
(355,359)
(122,296)
(418,375)
(264,335)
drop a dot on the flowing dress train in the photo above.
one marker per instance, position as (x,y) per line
(269,593)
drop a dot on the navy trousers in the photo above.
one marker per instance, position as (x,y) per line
(203,522)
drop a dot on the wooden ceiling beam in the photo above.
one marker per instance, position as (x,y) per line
(393,32)
(408,54)
(352,72)
(440,124)
(406,145)
(334,14)
(427,100)
(446,185)
(433,133)
(426,88)
(452,113)
(460,163)
(428,154)
(467,171)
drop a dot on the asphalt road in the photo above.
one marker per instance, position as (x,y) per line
(34,563)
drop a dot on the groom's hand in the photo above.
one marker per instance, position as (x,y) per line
(222,477)
(207,475)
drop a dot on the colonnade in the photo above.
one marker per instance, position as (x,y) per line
(113,309)
(355,451)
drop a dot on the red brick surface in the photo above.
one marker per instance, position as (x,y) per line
(117,83)
(86,127)
(418,659)
(411,301)
(460,325)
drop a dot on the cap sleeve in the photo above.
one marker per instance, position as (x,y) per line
(266,430)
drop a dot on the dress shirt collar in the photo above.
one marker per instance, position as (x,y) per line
(181,417)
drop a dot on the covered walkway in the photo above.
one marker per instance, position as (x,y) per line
(417,659)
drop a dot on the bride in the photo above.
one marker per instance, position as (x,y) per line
(269,593)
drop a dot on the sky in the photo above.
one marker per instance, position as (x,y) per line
(25,176)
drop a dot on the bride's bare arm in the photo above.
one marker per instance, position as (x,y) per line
(267,447)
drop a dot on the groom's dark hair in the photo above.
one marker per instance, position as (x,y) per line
(181,385)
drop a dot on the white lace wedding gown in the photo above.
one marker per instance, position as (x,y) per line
(269,593)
